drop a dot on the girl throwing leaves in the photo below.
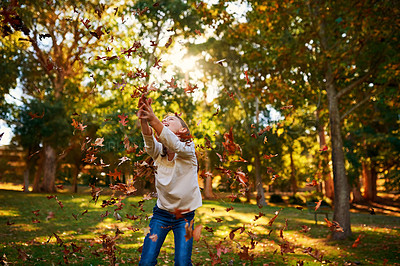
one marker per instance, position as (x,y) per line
(176,183)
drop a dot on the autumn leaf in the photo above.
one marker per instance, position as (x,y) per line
(189,230)
(334,226)
(116,175)
(190,88)
(178,213)
(171,84)
(356,242)
(35,221)
(232,233)
(324,148)
(305,229)
(153,237)
(273,218)
(36,212)
(229,143)
(229,209)
(123,119)
(221,249)
(34,115)
(241,177)
(318,205)
(98,142)
(197,232)
(259,216)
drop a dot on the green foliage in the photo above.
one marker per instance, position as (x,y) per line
(275,198)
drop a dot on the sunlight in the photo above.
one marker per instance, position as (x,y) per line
(187,63)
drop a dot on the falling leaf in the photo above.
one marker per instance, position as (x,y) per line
(153,237)
(123,119)
(286,107)
(305,229)
(273,218)
(334,226)
(318,205)
(35,221)
(98,142)
(259,216)
(197,232)
(123,159)
(36,212)
(33,116)
(189,230)
(229,209)
(116,175)
(324,148)
(178,213)
(356,242)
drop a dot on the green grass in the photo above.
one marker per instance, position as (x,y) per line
(25,242)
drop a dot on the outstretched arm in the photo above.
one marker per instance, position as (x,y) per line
(147,117)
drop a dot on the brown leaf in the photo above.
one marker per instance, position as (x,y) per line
(189,230)
(197,232)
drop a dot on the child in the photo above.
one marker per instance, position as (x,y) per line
(176,183)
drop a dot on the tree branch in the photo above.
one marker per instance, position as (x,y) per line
(364,100)
(354,84)
(355,106)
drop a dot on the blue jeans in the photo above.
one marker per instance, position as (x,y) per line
(160,224)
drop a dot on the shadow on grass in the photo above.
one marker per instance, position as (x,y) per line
(379,234)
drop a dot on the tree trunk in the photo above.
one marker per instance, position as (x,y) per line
(49,169)
(369,181)
(26,177)
(328,181)
(38,174)
(341,212)
(357,196)
(75,180)
(259,183)
(293,180)
(208,193)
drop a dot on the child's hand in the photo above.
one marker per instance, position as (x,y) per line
(145,109)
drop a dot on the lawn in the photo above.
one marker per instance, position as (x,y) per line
(36,230)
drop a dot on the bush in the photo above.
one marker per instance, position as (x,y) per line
(296,200)
(275,198)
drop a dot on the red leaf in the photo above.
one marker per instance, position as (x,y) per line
(115,175)
(229,143)
(229,209)
(178,213)
(334,226)
(318,205)
(356,242)
(123,119)
(324,148)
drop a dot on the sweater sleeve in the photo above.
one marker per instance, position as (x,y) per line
(173,143)
(152,146)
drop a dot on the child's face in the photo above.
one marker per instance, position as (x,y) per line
(174,124)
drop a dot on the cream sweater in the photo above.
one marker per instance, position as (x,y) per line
(176,180)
